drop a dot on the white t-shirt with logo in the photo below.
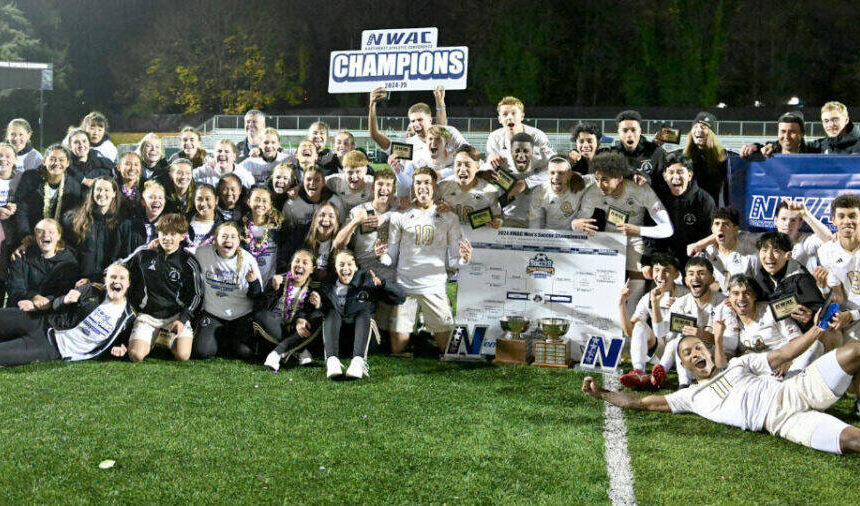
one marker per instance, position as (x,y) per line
(225,287)
(78,343)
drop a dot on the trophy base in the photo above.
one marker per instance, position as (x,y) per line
(555,354)
(512,351)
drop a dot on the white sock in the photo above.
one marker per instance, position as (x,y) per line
(668,358)
(639,345)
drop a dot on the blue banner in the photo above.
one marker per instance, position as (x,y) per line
(758,185)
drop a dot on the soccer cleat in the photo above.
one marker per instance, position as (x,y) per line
(273,361)
(658,376)
(333,367)
(855,413)
(357,368)
(635,379)
(305,357)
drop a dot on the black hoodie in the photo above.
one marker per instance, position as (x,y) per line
(98,249)
(846,143)
(95,166)
(793,279)
(30,200)
(690,213)
(33,274)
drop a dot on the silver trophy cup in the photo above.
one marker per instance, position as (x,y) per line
(554,328)
(514,326)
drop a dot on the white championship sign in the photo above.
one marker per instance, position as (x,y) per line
(402,59)
(543,274)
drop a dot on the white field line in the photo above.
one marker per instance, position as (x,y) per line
(617,458)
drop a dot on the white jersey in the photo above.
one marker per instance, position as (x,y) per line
(739,396)
(87,338)
(210,174)
(260,168)
(743,260)
(362,243)
(687,306)
(498,143)
(634,200)
(8,187)
(30,160)
(551,210)
(108,150)
(482,195)
(350,198)
(225,288)
(643,307)
(843,269)
(424,245)
(765,334)
(421,151)
(805,250)
(444,169)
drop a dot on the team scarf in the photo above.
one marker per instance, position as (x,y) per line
(46,200)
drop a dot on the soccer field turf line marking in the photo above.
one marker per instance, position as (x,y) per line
(617,458)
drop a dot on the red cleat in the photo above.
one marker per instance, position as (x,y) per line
(658,376)
(635,379)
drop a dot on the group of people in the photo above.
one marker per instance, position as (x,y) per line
(254,250)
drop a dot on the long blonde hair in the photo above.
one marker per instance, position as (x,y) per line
(714,152)
(313,239)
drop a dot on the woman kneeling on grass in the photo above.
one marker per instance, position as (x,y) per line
(348,304)
(231,280)
(286,318)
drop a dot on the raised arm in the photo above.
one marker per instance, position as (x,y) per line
(378,137)
(820,229)
(623,399)
(441,112)
(794,348)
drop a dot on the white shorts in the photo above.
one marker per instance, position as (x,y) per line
(795,413)
(154,330)
(434,306)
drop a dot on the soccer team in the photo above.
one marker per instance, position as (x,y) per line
(253,251)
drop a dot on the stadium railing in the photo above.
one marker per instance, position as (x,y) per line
(548,125)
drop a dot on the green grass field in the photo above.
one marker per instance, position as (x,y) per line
(418,430)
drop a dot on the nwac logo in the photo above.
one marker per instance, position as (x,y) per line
(763,207)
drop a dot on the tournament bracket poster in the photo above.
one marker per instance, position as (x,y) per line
(541,274)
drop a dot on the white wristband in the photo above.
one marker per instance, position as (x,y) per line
(855,314)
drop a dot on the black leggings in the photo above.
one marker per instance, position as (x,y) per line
(24,338)
(334,328)
(230,337)
(272,324)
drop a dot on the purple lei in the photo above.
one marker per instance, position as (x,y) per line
(289,294)
(130,193)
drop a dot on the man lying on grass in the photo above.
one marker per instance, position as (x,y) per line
(744,393)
